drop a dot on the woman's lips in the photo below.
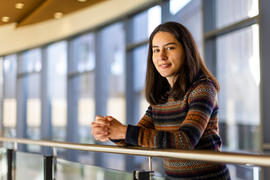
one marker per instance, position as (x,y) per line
(163,66)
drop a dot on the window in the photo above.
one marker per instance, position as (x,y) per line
(32,62)
(176,5)
(84,64)
(191,17)
(238,72)
(57,85)
(231,11)
(144,23)
(10,103)
(112,79)
(139,65)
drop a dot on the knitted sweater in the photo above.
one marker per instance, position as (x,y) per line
(191,123)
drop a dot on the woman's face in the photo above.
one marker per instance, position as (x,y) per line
(168,55)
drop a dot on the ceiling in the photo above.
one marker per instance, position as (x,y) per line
(27,12)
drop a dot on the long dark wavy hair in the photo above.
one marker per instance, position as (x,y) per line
(193,67)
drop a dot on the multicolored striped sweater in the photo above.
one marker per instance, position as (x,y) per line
(191,123)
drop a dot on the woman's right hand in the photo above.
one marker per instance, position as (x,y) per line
(100,128)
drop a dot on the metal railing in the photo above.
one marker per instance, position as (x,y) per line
(199,155)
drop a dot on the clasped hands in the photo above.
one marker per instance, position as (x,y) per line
(107,127)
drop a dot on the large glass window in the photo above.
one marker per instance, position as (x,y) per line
(190,15)
(10,103)
(32,63)
(113,70)
(139,69)
(231,11)
(176,5)
(84,57)
(238,71)
(57,85)
(144,23)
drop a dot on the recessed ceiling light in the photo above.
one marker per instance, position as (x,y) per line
(82,0)
(58,15)
(19,5)
(5,19)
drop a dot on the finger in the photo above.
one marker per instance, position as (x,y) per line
(104,139)
(109,118)
(102,121)
(98,125)
(100,130)
(94,125)
(100,136)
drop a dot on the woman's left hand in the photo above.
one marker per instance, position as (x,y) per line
(116,130)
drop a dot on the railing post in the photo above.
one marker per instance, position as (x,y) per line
(144,175)
(11,159)
(54,162)
(48,167)
(150,163)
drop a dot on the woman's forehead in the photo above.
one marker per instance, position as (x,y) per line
(162,37)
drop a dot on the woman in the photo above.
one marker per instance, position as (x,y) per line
(183,111)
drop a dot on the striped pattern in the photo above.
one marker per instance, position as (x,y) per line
(191,123)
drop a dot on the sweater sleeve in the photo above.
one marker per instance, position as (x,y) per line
(133,131)
(202,100)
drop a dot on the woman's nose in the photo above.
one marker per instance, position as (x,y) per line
(162,55)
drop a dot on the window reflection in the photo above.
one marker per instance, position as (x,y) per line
(191,16)
(176,5)
(28,71)
(31,61)
(231,11)
(140,63)
(238,72)
(144,23)
(10,102)
(84,60)
(114,58)
(113,79)
(33,110)
(84,56)
(57,83)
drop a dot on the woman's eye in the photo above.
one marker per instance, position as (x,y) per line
(170,48)
(155,50)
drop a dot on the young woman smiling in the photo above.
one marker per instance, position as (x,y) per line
(183,110)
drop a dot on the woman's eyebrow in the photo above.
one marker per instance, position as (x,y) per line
(170,43)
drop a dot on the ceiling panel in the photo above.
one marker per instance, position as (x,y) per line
(35,11)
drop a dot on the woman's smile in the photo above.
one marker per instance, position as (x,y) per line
(164,66)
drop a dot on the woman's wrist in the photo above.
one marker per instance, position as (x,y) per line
(123,132)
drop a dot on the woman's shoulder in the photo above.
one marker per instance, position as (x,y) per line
(203,82)
(203,86)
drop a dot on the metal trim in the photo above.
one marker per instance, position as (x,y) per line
(200,155)
(230,28)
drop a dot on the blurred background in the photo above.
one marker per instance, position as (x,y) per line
(61,64)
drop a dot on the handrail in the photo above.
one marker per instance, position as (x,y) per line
(199,155)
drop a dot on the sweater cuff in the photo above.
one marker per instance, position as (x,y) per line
(116,140)
(132,134)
